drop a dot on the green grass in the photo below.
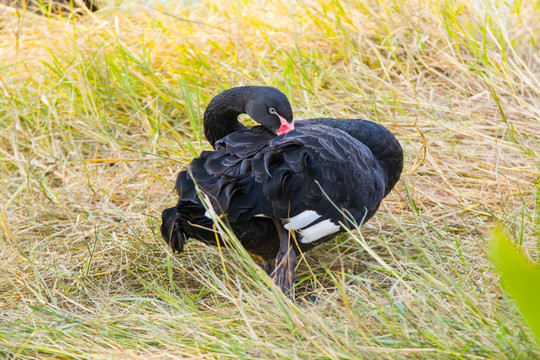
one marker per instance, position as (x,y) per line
(99,113)
(520,278)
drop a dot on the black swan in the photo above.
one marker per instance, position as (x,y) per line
(284,186)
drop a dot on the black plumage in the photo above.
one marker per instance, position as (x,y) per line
(312,180)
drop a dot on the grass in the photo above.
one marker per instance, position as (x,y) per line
(99,113)
(520,277)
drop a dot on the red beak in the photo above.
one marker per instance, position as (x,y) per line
(285,126)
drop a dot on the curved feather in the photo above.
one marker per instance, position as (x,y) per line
(312,168)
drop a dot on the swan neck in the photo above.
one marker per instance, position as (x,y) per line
(221,115)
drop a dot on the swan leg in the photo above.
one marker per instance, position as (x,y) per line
(285,261)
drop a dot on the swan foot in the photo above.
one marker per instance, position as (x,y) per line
(269,266)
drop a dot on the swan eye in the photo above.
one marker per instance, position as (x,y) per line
(272,111)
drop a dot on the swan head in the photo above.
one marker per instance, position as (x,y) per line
(270,107)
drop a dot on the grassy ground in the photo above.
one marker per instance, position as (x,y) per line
(99,113)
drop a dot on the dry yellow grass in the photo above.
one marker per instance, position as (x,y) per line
(99,113)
